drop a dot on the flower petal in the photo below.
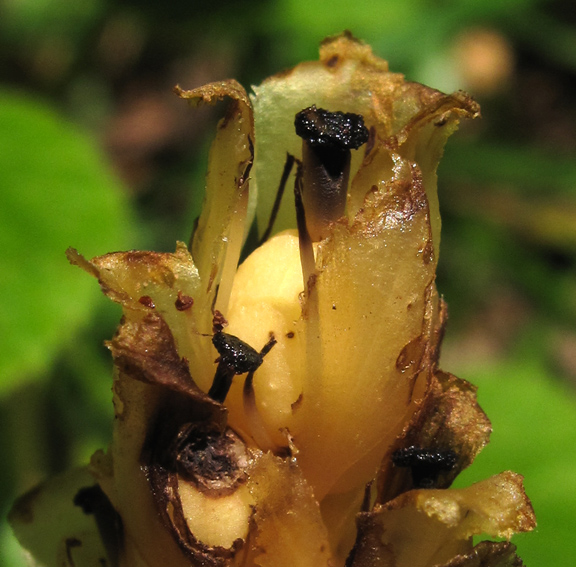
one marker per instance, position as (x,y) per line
(448,419)
(423,528)
(223,224)
(163,283)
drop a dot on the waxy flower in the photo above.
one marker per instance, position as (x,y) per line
(289,411)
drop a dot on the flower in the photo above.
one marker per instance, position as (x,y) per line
(290,410)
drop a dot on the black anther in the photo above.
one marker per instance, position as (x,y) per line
(236,357)
(425,464)
(320,127)
(327,138)
(235,353)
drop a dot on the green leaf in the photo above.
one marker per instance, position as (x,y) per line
(57,191)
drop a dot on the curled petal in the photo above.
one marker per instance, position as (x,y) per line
(223,224)
(448,419)
(162,283)
(424,528)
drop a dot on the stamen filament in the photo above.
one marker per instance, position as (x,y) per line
(222,382)
(305,242)
(278,200)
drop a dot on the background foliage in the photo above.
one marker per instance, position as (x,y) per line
(96,153)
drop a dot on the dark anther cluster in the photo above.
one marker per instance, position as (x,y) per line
(319,127)
(235,353)
(425,464)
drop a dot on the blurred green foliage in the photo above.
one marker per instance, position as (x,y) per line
(534,422)
(56,190)
(96,153)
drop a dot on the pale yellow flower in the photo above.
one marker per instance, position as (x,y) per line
(324,433)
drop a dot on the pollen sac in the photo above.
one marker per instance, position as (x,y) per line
(321,128)
(235,353)
(425,464)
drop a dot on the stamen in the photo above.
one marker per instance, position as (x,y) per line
(327,138)
(221,383)
(268,346)
(236,357)
(425,464)
(309,275)
(305,242)
(276,207)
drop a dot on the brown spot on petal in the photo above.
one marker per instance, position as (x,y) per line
(147,301)
(146,351)
(295,405)
(183,302)
(312,283)
(449,418)
(369,549)
(218,322)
